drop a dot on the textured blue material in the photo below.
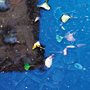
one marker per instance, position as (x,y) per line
(62,75)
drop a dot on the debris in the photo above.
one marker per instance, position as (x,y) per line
(62,28)
(65,18)
(10,40)
(70,46)
(65,51)
(26,66)
(80,45)
(37,19)
(48,61)
(70,37)
(79,66)
(44,6)
(37,44)
(59,38)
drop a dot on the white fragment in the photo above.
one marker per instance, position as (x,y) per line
(48,61)
(70,46)
(65,18)
(65,51)
(37,19)
(44,6)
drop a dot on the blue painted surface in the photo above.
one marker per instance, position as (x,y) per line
(62,75)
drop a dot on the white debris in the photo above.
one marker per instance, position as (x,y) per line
(44,6)
(65,51)
(70,46)
(36,19)
(65,18)
(48,61)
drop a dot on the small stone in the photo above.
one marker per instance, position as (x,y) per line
(65,18)
(59,38)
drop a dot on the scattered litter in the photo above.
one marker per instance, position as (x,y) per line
(26,66)
(37,19)
(63,28)
(70,46)
(70,37)
(44,6)
(79,66)
(48,61)
(80,45)
(59,38)
(37,44)
(65,18)
(65,51)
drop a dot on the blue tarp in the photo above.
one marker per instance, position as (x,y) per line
(63,75)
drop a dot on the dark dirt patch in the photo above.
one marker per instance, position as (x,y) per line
(18,24)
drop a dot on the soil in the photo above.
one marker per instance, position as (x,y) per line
(19,19)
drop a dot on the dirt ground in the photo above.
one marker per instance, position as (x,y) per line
(21,16)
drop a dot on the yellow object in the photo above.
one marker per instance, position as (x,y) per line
(37,44)
(65,18)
